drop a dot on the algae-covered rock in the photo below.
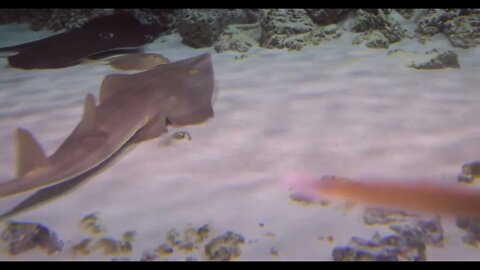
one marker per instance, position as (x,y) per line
(202,27)
(387,248)
(305,35)
(113,247)
(148,255)
(83,248)
(373,39)
(188,240)
(410,226)
(97,241)
(406,13)
(325,16)
(91,225)
(23,236)
(383,216)
(164,249)
(460,26)
(107,245)
(282,28)
(432,21)
(325,33)
(273,251)
(448,59)
(238,37)
(470,171)
(471,226)
(378,20)
(224,247)
(463,31)
(429,232)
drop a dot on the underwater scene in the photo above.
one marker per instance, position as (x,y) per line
(240,134)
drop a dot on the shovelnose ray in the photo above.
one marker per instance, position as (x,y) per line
(102,35)
(133,108)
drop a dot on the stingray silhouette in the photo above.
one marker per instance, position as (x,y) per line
(100,37)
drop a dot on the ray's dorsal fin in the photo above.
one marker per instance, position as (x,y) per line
(113,84)
(88,118)
(29,153)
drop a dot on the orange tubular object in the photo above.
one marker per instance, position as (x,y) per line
(425,197)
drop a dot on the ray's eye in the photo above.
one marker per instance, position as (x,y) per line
(149,37)
(106,35)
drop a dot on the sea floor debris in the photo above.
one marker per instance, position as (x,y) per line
(189,240)
(96,240)
(414,227)
(411,234)
(224,247)
(472,230)
(448,59)
(24,236)
(387,248)
(470,171)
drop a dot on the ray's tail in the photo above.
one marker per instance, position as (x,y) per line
(16,48)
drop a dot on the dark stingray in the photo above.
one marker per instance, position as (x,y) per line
(100,36)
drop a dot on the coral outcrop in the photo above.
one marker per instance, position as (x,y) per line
(292,29)
(377,27)
(202,27)
(285,28)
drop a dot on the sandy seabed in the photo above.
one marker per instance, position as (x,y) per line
(333,109)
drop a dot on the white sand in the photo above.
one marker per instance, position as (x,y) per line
(332,109)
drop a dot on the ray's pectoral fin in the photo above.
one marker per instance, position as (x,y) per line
(29,153)
(157,125)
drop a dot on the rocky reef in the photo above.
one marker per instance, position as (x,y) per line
(378,28)
(460,26)
(285,28)
(202,27)
(292,29)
